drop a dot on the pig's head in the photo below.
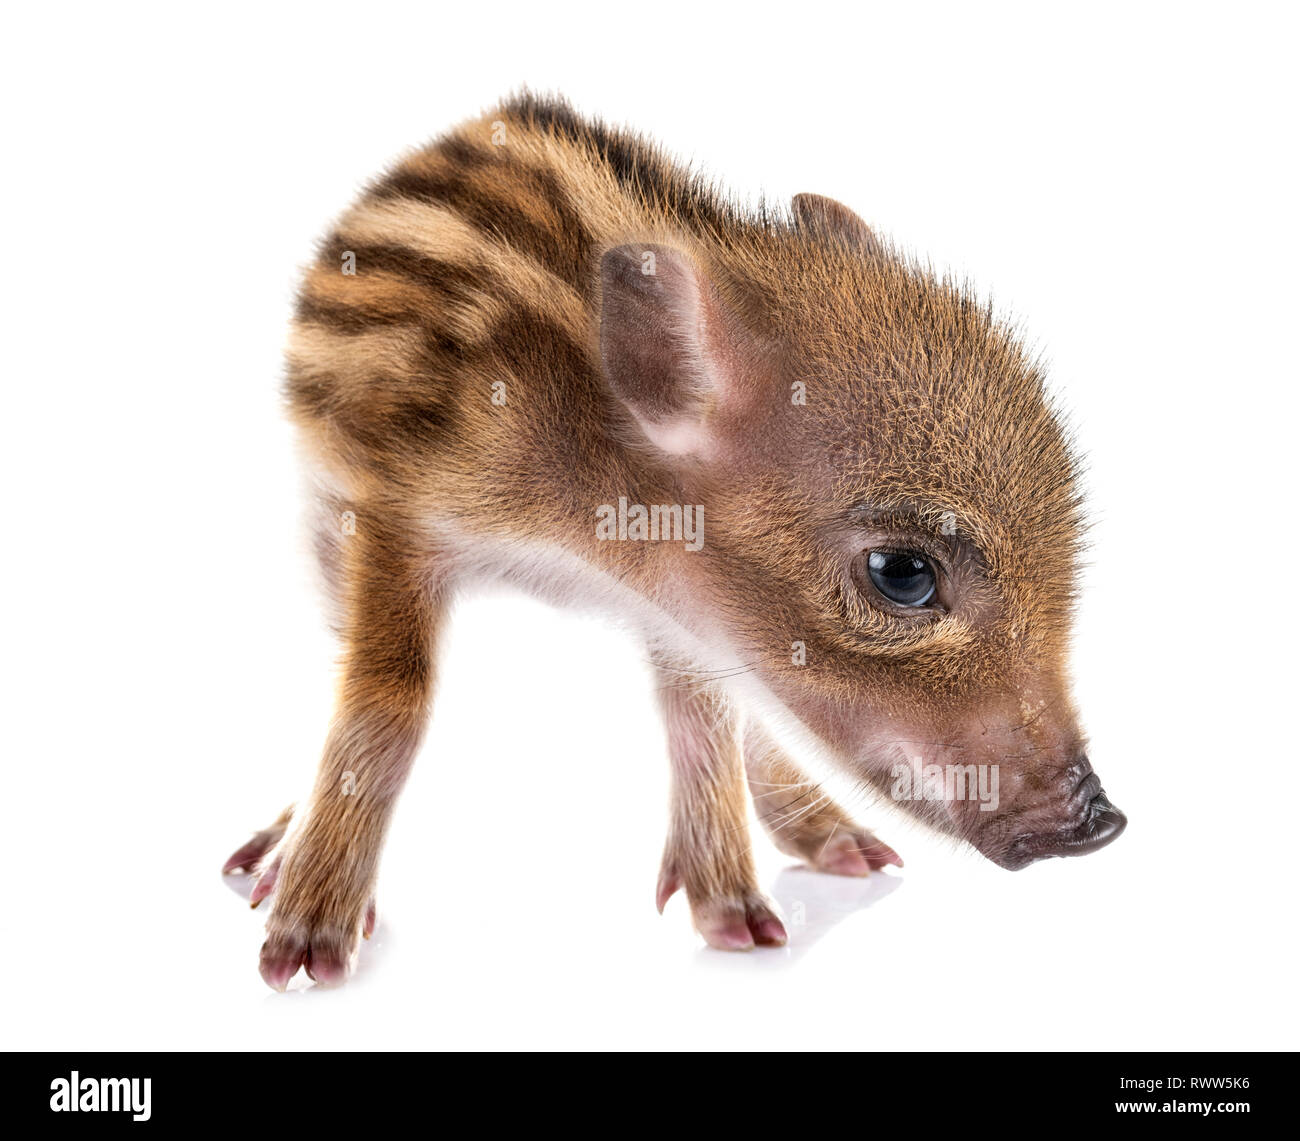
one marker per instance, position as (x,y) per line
(892,525)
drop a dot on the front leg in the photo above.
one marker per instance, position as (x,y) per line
(802,820)
(708,851)
(322,875)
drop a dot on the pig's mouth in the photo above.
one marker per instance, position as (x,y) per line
(1094,823)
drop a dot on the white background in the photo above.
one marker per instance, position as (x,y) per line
(1120,177)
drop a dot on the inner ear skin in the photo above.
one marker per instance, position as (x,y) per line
(679,359)
(650,330)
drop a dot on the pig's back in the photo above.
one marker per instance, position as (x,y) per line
(448,323)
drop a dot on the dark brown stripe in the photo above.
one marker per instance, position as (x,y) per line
(458,190)
(574,251)
(536,351)
(343,317)
(637,165)
(386,427)
(443,285)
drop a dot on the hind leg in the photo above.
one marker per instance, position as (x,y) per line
(321,876)
(801,820)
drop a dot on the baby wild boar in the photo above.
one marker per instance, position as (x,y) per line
(824,484)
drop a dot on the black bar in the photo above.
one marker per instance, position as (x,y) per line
(999,1094)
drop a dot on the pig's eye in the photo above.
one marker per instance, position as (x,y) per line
(905,578)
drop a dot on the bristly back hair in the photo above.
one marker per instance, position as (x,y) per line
(644,168)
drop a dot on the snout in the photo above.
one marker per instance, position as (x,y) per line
(1101,824)
(1092,822)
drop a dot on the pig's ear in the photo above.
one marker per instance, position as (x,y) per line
(817,214)
(665,345)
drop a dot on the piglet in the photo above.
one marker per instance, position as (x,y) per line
(824,484)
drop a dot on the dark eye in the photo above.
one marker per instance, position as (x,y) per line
(903,577)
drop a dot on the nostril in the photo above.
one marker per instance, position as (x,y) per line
(1104,822)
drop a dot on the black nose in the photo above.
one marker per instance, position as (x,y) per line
(1100,823)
